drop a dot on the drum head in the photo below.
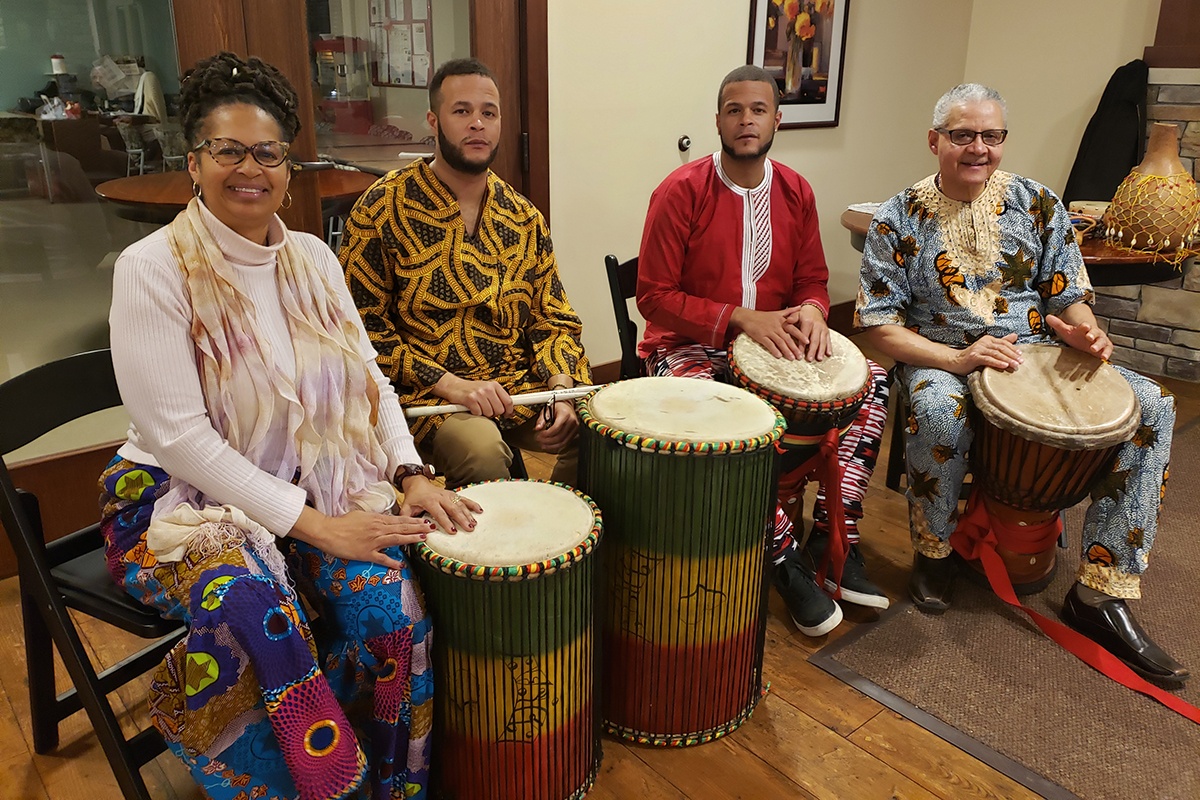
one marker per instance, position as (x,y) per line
(682,410)
(837,377)
(522,522)
(1059,396)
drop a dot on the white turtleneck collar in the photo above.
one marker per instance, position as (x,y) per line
(239,250)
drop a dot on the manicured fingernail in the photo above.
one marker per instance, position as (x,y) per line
(424,535)
(453,529)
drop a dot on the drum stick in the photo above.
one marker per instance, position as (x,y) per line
(530,399)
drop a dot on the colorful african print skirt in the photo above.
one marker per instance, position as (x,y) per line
(249,700)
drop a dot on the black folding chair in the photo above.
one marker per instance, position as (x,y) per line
(622,285)
(71,573)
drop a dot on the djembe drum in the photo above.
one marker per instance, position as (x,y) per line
(685,472)
(1043,435)
(514,648)
(813,396)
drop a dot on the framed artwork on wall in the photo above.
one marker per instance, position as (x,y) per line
(802,43)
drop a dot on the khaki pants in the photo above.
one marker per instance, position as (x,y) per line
(467,449)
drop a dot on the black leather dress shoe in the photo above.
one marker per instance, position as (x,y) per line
(1108,622)
(931,584)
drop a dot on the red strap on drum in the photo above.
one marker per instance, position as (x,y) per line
(824,467)
(974,538)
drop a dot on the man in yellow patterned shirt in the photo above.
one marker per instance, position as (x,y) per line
(454,275)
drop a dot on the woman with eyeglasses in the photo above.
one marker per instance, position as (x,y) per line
(259,419)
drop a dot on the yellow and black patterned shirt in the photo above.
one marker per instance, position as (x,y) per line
(486,306)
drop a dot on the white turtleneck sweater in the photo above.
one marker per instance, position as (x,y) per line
(155,361)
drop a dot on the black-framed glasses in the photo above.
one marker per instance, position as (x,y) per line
(231,152)
(964,136)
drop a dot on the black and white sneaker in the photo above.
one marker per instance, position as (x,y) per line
(857,588)
(813,611)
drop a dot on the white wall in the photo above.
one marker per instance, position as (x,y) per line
(1052,67)
(628,77)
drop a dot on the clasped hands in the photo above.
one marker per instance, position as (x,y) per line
(795,333)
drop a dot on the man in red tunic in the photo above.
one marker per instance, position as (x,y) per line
(732,245)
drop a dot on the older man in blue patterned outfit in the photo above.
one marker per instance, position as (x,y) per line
(957,270)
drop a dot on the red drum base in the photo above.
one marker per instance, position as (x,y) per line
(1027,543)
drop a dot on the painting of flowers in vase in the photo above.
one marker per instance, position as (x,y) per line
(802,44)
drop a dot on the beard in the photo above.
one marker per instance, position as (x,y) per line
(457,160)
(759,153)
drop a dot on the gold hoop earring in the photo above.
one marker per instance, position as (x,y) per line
(287,198)
(196,190)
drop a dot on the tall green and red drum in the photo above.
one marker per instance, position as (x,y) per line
(513,606)
(685,472)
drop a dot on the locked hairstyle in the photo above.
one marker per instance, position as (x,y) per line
(748,73)
(224,79)
(966,93)
(459,66)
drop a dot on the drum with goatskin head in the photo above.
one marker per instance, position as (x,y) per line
(512,605)
(813,396)
(1044,434)
(684,470)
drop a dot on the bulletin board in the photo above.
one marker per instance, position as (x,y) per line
(402,42)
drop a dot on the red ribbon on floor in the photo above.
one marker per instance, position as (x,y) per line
(824,467)
(974,538)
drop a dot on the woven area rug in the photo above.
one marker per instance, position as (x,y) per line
(984,678)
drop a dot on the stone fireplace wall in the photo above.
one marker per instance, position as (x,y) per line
(1156,327)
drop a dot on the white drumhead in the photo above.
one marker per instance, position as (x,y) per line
(839,376)
(682,410)
(522,522)
(1059,396)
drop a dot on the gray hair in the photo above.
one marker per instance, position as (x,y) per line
(966,93)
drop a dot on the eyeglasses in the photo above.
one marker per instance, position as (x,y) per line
(231,152)
(965,136)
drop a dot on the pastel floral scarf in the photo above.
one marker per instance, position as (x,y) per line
(329,408)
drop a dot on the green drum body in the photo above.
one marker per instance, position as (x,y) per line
(685,471)
(512,604)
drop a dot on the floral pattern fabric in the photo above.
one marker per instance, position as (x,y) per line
(954,272)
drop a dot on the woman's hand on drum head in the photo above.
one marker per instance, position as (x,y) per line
(987,351)
(776,331)
(359,535)
(814,332)
(449,510)
(482,398)
(1083,337)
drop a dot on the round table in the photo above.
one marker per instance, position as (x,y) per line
(1106,265)
(158,197)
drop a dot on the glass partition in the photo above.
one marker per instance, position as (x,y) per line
(70,73)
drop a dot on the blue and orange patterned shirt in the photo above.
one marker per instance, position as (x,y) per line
(954,271)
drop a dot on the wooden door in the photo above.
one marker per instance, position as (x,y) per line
(507,35)
(277,32)
(510,36)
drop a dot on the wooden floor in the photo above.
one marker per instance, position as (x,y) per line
(811,737)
